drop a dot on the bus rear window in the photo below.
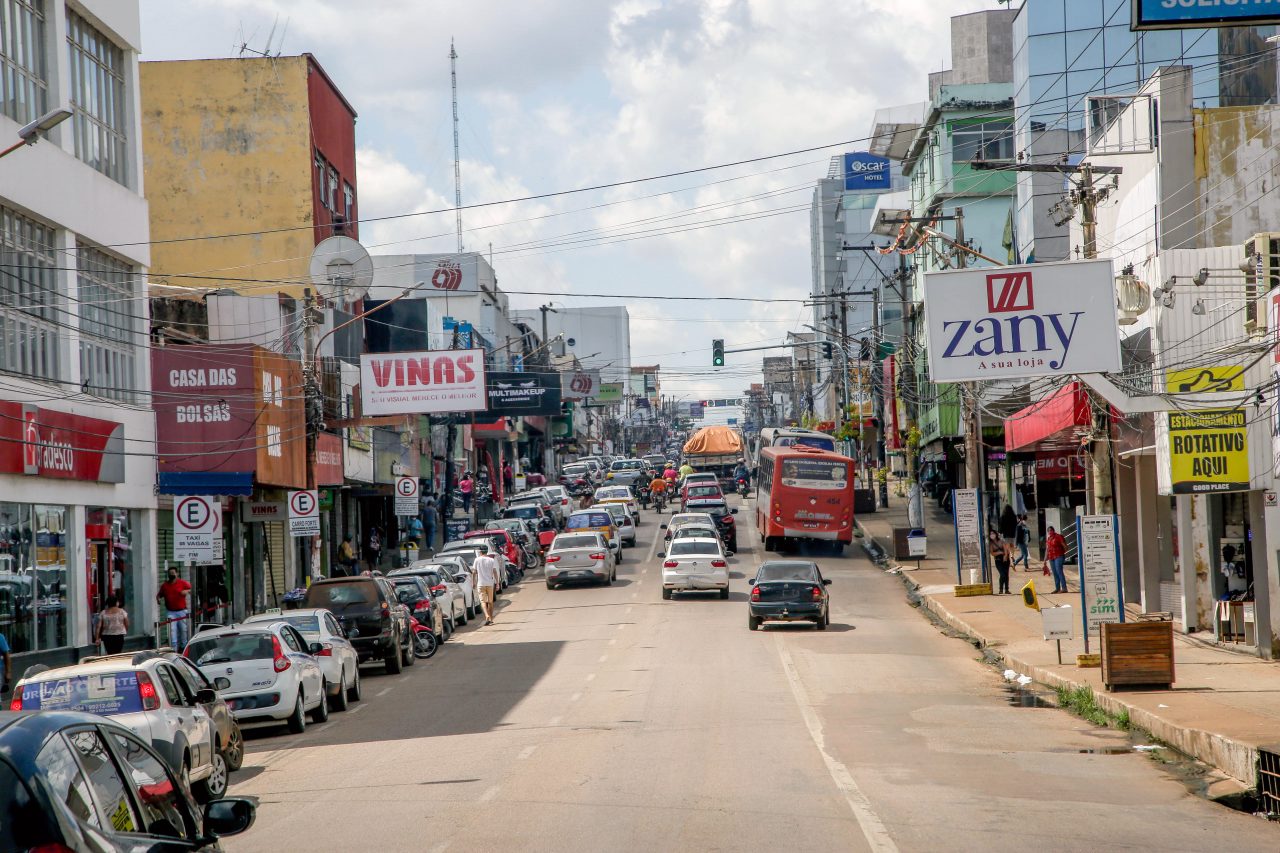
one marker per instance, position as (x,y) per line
(815,474)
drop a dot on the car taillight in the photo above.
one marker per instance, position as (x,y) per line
(718,564)
(147,692)
(421,606)
(50,848)
(817,593)
(439,588)
(281,662)
(326,651)
(596,556)
(670,564)
(553,558)
(755,593)
(15,704)
(728,519)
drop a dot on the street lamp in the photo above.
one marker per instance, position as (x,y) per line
(29,134)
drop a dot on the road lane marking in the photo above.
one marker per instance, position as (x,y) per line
(357,709)
(527,751)
(489,794)
(384,691)
(873,829)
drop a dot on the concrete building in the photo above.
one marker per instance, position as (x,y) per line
(601,336)
(77,475)
(259,149)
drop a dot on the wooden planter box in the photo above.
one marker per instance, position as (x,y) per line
(1137,653)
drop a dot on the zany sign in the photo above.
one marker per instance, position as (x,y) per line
(1208,449)
(1015,322)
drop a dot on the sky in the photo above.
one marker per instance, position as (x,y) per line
(557,95)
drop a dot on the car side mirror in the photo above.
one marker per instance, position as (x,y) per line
(660,554)
(728,553)
(206,696)
(460,578)
(229,816)
(662,527)
(315,648)
(222,683)
(733,511)
(826,581)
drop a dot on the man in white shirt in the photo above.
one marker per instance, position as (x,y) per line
(486,569)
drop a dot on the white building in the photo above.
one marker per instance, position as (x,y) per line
(77,475)
(601,336)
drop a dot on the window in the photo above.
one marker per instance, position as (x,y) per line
(104,779)
(29,303)
(164,810)
(332,190)
(97,98)
(170,686)
(986,140)
(348,202)
(33,576)
(322,180)
(23,84)
(275,445)
(108,365)
(291,639)
(67,783)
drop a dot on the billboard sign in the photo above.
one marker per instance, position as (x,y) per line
(50,443)
(518,394)
(430,382)
(863,171)
(610,392)
(1208,448)
(1052,319)
(579,384)
(1194,14)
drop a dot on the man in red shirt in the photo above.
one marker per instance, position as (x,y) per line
(174,593)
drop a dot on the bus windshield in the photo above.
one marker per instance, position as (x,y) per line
(820,442)
(815,474)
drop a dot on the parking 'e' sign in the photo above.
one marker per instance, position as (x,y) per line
(304,513)
(195,521)
(406,496)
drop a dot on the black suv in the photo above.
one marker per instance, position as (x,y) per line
(725,524)
(370,611)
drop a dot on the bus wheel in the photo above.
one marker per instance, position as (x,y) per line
(770,544)
(837,548)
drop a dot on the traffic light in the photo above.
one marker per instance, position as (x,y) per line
(826,349)
(864,351)
(717,352)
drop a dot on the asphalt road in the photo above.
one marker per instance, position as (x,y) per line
(603,718)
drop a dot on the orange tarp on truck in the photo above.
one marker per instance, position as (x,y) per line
(714,439)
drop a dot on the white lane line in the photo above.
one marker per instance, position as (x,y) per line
(527,751)
(873,829)
(555,721)
(653,546)
(603,658)
(357,709)
(575,697)
(591,676)
(489,794)
(384,691)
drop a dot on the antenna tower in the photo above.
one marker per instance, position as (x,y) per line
(457,163)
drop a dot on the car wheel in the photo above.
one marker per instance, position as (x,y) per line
(233,752)
(320,713)
(393,661)
(550,585)
(733,544)
(666,595)
(608,578)
(446,630)
(822,622)
(213,786)
(354,692)
(297,721)
(754,622)
(724,593)
(465,617)
(340,699)
(406,654)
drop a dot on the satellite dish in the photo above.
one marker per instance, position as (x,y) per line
(570,341)
(341,270)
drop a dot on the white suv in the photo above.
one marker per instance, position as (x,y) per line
(140,690)
(271,669)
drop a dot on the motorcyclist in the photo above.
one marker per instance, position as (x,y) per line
(658,489)
(670,473)
(741,473)
(685,470)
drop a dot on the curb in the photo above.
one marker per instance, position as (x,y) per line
(1236,759)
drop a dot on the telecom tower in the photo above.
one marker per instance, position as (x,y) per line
(457,162)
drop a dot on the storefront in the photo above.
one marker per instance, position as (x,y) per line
(72,498)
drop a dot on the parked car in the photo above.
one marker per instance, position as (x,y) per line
(622,520)
(468,550)
(580,557)
(502,541)
(447,592)
(414,592)
(596,521)
(789,591)
(370,614)
(548,501)
(273,674)
(226,729)
(561,495)
(577,479)
(694,565)
(456,567)
(532,511)
(625,472)
(143,692)
(74,781)
(338,659)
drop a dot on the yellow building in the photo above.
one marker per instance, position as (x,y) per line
(248,164)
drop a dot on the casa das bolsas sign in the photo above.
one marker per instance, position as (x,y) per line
(1015,322)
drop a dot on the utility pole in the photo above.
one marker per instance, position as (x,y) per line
(545,341)
(313,412)
(457,159)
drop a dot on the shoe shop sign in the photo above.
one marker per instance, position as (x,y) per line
(1017,322)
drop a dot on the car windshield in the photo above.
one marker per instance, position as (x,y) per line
(408,591)
(605,494)
(522,511)
(625,466)
(563,542)
(693,548)
(575,470)
(787,572)
(231,648)
(692,532)
(704,492)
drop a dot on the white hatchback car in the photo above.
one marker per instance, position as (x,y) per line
(694,565)
(339,661)
(271,669)
(140,690)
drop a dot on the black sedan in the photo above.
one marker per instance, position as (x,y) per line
(72,781)
(789,591)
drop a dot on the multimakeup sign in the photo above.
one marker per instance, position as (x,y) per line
(1016,322)
(433,382)
(1193,14)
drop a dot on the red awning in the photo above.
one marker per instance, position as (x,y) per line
(1059,417)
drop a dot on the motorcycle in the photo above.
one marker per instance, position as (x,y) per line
(424,640)
(743,488)
(643,497)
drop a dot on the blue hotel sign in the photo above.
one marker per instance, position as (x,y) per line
(1190,14)
(863,171)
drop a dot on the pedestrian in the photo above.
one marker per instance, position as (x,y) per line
(347,556)
(1002,571)
(415,531)
(1022,538)
(1008,530)
(1055,554)
(486,569)
(176,593)
(113,625)
(430,516)
(466,486)
(508,477)
(375,547)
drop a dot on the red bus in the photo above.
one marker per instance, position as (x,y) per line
(804,493)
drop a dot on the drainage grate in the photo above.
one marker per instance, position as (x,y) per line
(1269,781)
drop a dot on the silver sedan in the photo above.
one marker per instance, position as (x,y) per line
(580,557)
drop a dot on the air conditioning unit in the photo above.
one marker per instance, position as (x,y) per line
(1261,268)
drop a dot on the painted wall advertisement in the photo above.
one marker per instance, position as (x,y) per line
(432,382)
(1051,319)
(1101,597)
(1208,449)
(966,509)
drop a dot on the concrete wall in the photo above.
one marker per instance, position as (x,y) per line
(227,148)
(1236,169)
(982,47)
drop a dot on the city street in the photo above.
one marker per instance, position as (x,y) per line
(607,719)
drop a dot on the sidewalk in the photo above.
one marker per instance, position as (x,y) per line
(1224,705)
